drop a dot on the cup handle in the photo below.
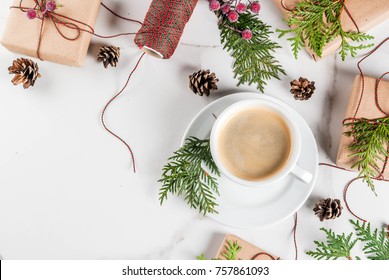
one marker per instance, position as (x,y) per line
(302,174)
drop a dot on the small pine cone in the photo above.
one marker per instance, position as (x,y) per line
(327,209)
(302,89)
(387,231)
(26,72)
(109,55)
(203,82)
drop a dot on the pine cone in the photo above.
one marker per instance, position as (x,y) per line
(387,231)
(203,82)
(302,89)
(327,209)
(26,72)
(109,55)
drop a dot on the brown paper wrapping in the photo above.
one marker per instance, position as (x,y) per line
(367,14)
(21,35)
(248,251)
(368,109)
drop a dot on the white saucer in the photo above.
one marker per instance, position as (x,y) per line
(245,207)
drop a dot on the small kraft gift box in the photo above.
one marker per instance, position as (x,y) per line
(58,31)
(363,104)
(365,14)
(247,251)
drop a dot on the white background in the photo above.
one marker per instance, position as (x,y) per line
(66,187)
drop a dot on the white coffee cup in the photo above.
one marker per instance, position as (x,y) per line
(289,167)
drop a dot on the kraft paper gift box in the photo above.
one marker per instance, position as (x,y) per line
(368,109)
(248,251)
(366,14)
(21,35)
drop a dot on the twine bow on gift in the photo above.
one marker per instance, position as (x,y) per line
(354,118)
(45,10)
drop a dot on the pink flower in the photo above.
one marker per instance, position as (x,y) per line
(233,16)
(255,7)
(241,8)
(214,5)
(226,9)
(247,34)
(51,6)
(31,14)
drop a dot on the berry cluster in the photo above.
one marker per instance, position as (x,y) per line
(50,6)
(232,8)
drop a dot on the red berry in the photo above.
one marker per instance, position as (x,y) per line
(51,6)
(247,34)
(214,5)
(233,16)
(255,7)
(31,14)
(226,9)
(241,8)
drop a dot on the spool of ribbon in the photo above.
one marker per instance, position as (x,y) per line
(163,26)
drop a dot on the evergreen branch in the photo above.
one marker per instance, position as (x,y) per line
(336,246)
(201,257)
(317,23)
(376,242)
(369,146)
(232,250)
(254,61)
(185,176)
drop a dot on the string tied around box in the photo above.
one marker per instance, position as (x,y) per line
(46,10)
(354,118)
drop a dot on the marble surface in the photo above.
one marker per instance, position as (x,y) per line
(66,186)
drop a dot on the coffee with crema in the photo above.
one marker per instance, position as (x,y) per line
(254,144)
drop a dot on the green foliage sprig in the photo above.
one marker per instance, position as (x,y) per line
(369,146)
(232,250)
(337,246)
(184,175)
(317,23)
(231,253)
(376,242)
(254,61)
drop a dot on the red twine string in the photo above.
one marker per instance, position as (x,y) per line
(263,254)
(284,6)
(346,188)
(119,16)
(106,107)
(295,235)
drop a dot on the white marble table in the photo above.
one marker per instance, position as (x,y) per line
(66,186)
